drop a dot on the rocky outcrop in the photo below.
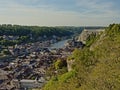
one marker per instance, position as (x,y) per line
(86,32)
(70,64)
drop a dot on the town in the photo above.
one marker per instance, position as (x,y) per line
(29,62)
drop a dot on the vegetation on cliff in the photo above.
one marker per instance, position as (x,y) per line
(94,69)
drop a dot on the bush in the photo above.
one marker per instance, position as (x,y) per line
(6,52)
(59,64)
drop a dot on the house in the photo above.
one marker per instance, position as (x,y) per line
(0,47)
(30,84)
(10,37)
(74,44)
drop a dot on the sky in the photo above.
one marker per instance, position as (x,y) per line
(60,12)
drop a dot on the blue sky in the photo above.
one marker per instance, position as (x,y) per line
(60,12)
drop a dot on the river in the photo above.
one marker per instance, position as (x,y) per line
(59,44)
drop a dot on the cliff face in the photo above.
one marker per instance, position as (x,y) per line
(69,65)
(99,41)
(87,32)
(94,68)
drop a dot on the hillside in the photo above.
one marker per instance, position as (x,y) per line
(95,67)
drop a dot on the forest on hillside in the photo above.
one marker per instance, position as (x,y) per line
(25,34)
(36,31)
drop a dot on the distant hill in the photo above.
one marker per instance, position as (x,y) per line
(96,67)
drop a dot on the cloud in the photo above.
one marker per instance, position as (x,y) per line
(29,16)
(99,11)
(95,6)
(75,12)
